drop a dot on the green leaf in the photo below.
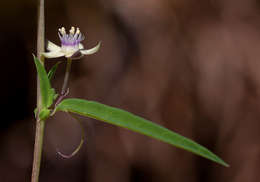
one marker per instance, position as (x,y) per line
(135,123)
(53,70)
(47,93)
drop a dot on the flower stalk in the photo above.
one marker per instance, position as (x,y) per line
(39,133)
(65,89)
(66,78)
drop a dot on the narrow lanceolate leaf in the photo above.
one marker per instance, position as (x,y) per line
(53,70)
(135,123)
(47,93)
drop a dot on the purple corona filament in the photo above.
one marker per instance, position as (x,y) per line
(72,39)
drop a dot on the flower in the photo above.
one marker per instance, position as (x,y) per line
(70,45)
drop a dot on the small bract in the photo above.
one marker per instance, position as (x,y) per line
(70,45)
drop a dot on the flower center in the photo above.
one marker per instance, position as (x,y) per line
(70,40)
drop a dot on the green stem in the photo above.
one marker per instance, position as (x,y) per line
(39,133)
(66,78)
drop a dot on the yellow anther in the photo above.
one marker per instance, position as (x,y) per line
(62,30)
(72,30)
(78,31)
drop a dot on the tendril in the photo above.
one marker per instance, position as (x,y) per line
(81,141)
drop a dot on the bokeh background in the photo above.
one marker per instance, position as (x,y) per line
(192,66)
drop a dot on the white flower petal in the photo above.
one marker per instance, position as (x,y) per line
(52,47)
(81,46)
(92,50)
(53,54)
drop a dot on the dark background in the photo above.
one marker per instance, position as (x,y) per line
(192,66)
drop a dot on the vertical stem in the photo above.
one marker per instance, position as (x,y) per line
(37,150)
(39,133)
(40,44)
(66,78)
(40,30)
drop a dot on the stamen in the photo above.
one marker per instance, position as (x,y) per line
(72,30)
(62,31)
(78,31)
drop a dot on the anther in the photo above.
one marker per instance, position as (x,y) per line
(78,31)
(72,30)
(62,30)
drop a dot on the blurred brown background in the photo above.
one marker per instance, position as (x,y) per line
(192,66)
